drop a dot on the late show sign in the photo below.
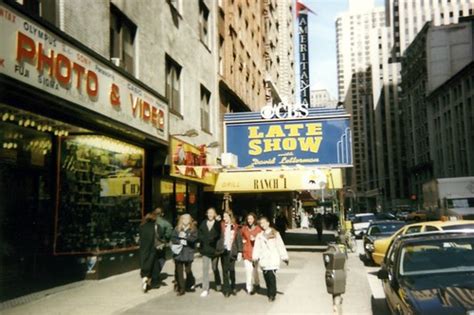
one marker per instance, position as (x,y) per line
(289,143)
(40,58)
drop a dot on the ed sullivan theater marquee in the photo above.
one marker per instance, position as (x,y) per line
(305,148)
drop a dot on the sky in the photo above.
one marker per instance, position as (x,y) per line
(322,43)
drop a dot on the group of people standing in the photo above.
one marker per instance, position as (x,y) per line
(256,243)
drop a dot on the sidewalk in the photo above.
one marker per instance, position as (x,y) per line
(301,284)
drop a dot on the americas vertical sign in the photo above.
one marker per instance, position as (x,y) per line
(302,14)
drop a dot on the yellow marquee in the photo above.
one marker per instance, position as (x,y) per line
(274,181)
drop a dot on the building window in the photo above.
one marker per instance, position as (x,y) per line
(122,39)
(47,9)
(204,23)
(173,85)
(205,111)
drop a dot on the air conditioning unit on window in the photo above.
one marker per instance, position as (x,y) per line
(115,61)
(229,160)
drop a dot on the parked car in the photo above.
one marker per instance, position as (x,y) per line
(381,245)
(385,216)
(376,230)
(416,215)
(402,214)
(430,273)
(361,222)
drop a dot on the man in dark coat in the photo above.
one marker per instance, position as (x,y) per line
(165,229)
(281,224)
(318,224)
(209,234)
(149,264)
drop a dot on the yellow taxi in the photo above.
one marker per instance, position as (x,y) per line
(381,245)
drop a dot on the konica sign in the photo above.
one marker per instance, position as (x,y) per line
(323,137)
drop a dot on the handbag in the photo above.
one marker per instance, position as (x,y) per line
(176,248)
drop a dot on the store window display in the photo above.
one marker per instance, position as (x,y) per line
(101,195)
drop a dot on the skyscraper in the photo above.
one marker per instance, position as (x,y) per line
(369,88)
(406,19)
(322,98)
(279,50)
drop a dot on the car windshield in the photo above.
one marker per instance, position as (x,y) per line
(385,228)
(364,218)
(437,256)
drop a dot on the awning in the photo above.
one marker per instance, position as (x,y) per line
(274,181)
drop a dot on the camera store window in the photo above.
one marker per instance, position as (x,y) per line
(173,85)
(100,194)
(122,39)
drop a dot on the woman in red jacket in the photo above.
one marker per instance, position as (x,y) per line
(249,233)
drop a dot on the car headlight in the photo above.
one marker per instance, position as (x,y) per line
(369,247)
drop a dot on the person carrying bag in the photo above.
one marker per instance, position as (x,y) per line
(183,240)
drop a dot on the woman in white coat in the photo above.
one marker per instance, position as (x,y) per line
(268,251)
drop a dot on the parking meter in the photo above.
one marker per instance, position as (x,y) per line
(335,261)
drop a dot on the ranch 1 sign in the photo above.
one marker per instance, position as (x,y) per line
(322,137)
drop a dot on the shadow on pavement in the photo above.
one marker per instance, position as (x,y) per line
(307,239)
(322,249)
(379,306)
(373,273)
